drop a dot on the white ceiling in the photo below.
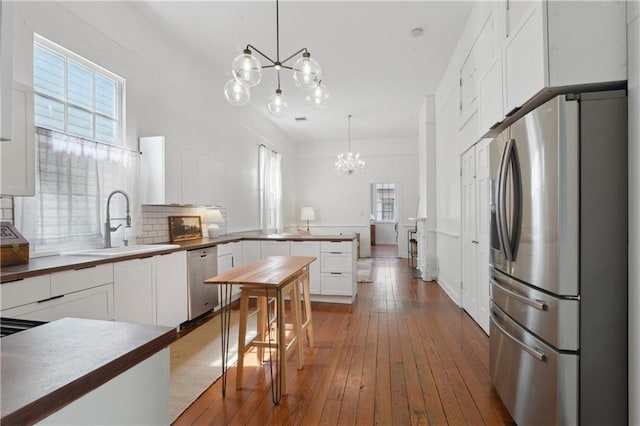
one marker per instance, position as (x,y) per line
(374,68)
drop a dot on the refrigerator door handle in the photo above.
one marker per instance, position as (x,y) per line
(534,352)
(503,232)
(538,304)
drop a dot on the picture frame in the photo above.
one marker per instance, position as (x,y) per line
(184,228)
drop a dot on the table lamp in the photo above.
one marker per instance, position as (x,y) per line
(212,217)
(307,214)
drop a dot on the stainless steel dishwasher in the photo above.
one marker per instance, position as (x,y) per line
(203,264)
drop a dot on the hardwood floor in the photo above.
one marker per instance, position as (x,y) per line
(403,354)
(384,250)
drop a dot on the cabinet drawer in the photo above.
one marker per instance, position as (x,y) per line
(81,279)
(94,303)
(25,291)
(336,246)
(224,249)
(336,284)
(336,262)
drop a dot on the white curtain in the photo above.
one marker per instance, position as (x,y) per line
(74,178)
(270,190)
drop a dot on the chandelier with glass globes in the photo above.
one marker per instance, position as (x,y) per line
(247,72)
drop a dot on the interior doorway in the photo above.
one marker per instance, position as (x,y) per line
(384,219)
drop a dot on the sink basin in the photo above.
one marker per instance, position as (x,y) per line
(123,251)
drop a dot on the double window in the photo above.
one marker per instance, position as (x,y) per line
(75,96)
(385,202)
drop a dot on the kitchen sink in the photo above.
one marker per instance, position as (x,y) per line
(123,251)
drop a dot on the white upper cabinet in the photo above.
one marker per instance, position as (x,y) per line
(18,154)
(171,174)
(549,44)
(6,70)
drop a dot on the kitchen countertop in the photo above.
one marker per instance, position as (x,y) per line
(49,264)
(47,367)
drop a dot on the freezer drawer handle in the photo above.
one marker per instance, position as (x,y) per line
(538,304)
(531,351)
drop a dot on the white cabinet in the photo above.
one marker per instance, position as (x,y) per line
(338,266)
(171,288)
(475,191)
(310,248)
(229,257)
(555,44)
(134,295)
(171,174)
(251,251)
(18,154)
(81,293)
(275,248)
(152,290)
(6,70)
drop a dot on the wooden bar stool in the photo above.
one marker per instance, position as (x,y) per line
(307,325)
(261,339)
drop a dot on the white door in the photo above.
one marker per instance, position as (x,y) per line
(133,291)
(469,261)
(483,185)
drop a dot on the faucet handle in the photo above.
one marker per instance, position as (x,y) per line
(112,229)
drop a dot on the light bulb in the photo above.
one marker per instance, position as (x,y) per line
(306,72)
(247,68)
(319,95)
(237,92)
(277,104)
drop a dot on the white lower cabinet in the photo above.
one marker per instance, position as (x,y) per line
(134,297)
(152,290)
(275,248)
(92,303)
(81,293)
(171,288)
(251,251)
(310,248)
(338,266)
(229,257)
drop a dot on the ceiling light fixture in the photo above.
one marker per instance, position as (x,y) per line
(247,73)
(348,163)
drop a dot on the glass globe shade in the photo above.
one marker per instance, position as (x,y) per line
(319,95)
(306,72)
(277,104)
(237,92)
(247,68)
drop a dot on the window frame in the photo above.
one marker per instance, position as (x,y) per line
(120,92)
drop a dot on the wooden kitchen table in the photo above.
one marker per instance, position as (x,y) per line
(272,274)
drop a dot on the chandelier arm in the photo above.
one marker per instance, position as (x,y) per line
(261,54)
(277,35)
(304,49)
(278,72)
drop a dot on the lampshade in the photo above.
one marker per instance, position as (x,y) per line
(318,96)
(237,92)
(247,68)
(213,216)
(277,105)
(307,213)
(306,72)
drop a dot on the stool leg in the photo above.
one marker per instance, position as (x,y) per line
(307,309)
(242,333)
(282,344)
(262,325)
(297,320)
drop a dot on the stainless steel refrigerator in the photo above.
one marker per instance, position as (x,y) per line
(558,333)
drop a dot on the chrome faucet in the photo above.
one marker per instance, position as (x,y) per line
(108,229)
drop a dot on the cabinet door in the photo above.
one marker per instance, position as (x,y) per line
(134,297)
(6,70)
(490,97)
(275,248)
(93,303)
(337,284)
(525,61)
(251,251)
(18,154)
(172,174)
(483,235)
(469,269)
(171,288)
(25,291)
(225,263)
(81,279)
(310,248)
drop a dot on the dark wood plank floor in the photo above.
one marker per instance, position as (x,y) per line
(403,354)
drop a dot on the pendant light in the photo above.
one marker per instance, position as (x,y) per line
(247,72)
(348,163)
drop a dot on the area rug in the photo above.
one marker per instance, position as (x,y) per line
(364,270)
(196,361)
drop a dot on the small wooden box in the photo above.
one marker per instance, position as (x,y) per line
(14,249)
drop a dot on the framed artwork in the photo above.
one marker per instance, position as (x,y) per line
(183,228)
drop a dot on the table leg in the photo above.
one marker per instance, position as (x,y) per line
(282,348)
(225,324)
(242,335)
(308,323)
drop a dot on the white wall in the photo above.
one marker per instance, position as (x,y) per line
(168,93)
(633,46)
(342,203)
